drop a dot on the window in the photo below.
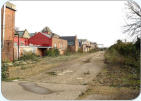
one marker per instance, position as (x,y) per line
(61,46)
(55,45)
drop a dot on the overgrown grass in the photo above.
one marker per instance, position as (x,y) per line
(29,56)
(52,52)
(127,57)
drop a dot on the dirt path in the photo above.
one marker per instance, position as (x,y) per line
(64,82)
(79,71)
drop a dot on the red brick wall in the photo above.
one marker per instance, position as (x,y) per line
(40,39)
(2,23)
(22,41)
(8,48)
(76,44)
(60,44)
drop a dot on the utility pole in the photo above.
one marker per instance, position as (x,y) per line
(18,46)
(18,43)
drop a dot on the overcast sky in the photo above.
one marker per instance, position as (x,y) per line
(97,21)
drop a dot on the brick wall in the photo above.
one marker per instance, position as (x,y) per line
(2,23)
(8,48)
(60,44)
(76,44)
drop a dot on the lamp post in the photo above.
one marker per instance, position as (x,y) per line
(18,43)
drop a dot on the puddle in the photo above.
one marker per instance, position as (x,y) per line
(32,87)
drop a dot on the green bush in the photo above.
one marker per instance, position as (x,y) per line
(124,54)
(68,52)
(92,50)
(29,56)
(53,52)
(113,57)
(4,71)
(80,50)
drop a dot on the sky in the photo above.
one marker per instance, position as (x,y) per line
(98,21)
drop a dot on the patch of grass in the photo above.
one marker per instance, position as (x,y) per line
(52,73)
(87,73)
(93,50)
(85,84)
(11,79)
(29,56)
(126,57)
(117,77)
(4,72)
(52,52)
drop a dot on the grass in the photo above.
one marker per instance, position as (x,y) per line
(41,65)
(116,76)
(113,81)
(87,73)
(123,64)
(52,73)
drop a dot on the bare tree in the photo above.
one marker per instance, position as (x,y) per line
(133,27)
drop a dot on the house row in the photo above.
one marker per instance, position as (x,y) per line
(40,42)
(16,43)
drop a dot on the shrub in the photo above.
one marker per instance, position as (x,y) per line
(92,50)
(52,52)
(124,54)
(113,57)
(80,50)
(4,71)
(29,56)
(68,52)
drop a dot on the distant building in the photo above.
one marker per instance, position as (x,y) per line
(93,45)
(73,44)
(23,38)
(7,31)
(59,43)
(84,45)
(44,41)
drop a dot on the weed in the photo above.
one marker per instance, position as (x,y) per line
(52,73)
(86,73)
(29,56)
(4,71)
(52,52)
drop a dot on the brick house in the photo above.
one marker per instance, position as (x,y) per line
(7,31)
(84,45)
(45,41)
(73,43)
(23,38)
(93,45)
(59,43)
